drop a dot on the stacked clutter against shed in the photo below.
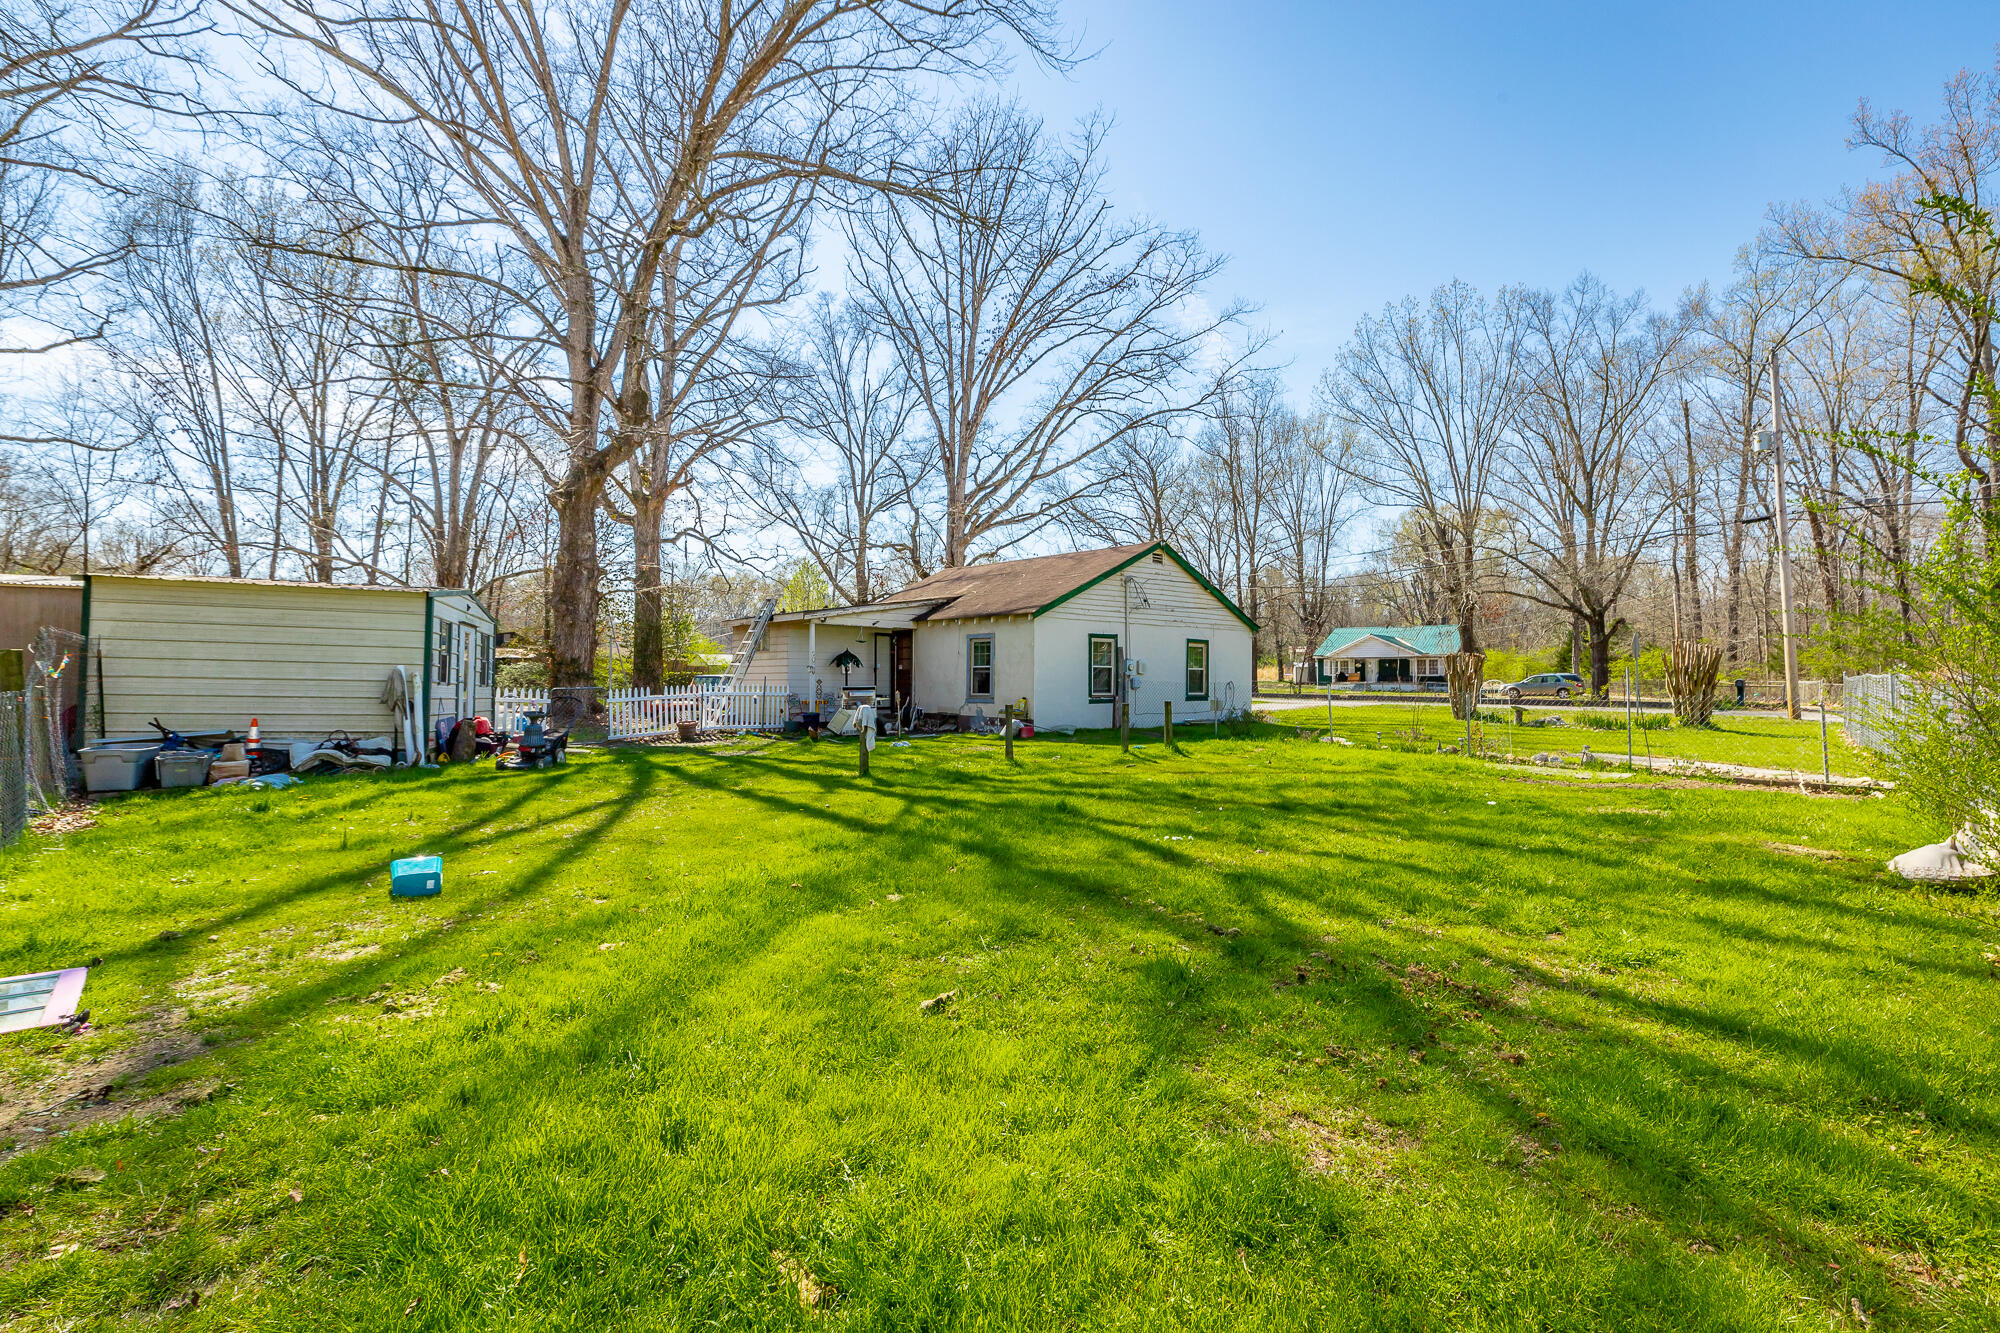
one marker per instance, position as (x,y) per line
(211,759)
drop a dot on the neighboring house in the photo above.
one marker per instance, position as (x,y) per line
(1401,657)
(1048,634)
(304,659)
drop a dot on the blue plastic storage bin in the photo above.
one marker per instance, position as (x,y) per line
(416,877)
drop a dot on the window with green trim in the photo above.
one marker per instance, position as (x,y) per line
(445,630)
(979,667)
(1103,666)
(1197,668)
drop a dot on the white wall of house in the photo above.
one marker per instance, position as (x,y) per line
(784,648)
(942,677)
(1177,609)
(791,647)
(461,657)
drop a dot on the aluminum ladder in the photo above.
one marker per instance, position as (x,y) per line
(716,706)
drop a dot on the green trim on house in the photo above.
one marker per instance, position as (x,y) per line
(82,731)
(992,667)
(1186,568)
(424,741)
(473,597)
(1089,668)
(1191,696)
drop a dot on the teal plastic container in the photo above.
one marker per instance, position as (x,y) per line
(416,877)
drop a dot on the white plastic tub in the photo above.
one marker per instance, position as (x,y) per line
(182,768)
(115,767)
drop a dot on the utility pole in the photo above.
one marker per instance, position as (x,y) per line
(1785,613)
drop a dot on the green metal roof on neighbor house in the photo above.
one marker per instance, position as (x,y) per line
(1420,640)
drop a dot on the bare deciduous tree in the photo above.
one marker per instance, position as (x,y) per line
(842,475)
(1922,228)
(1432,392)
(1036,327)
(590,138)
(74,77)
(1584,472)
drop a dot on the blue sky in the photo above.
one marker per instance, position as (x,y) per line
(1345,155)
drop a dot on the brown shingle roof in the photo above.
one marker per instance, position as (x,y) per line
(1014,587)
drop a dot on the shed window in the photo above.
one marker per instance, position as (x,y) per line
(443,642)
(1197,668)
(1103,665)
(485,676)
(979,667)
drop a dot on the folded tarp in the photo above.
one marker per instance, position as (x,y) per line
(307,755)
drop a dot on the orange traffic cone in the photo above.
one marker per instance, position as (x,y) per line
(254,743)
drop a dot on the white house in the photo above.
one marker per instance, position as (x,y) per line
(1048,634)
(1400,657)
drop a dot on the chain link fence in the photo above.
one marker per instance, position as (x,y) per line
(13,767)
(54,679)
(1871,703)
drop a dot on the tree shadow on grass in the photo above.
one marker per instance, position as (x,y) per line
(1696,1189)
(1684,1183)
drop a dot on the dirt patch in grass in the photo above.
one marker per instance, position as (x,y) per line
(345,951)
(1815,853)
(68,819)
(215,990)
(94,1092)
(1350,1144)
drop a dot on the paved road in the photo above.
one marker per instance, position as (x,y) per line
(1370,700)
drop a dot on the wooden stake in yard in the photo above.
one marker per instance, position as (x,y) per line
(1167,727)
(861,737)
(1009,730)
(1125,724)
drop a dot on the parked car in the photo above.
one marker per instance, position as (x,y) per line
(1557,684)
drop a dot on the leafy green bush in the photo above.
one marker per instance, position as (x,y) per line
(1943,740)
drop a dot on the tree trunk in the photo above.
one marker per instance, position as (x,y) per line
(1692,615)
(649,670)
(1600,653)
(573,582)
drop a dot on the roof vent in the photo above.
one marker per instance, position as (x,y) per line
(1159,557)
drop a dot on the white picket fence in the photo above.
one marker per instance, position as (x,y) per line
(636,713)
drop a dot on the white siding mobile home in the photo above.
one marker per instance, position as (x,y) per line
(304,659)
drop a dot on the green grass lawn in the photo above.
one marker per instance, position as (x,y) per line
(1261,1034)
(1761,742)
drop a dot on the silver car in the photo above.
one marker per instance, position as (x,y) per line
(1555,684)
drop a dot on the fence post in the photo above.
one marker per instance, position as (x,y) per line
(1125,724)
(1825,760)
(1628,718)
(1167,727)
(1007,729)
